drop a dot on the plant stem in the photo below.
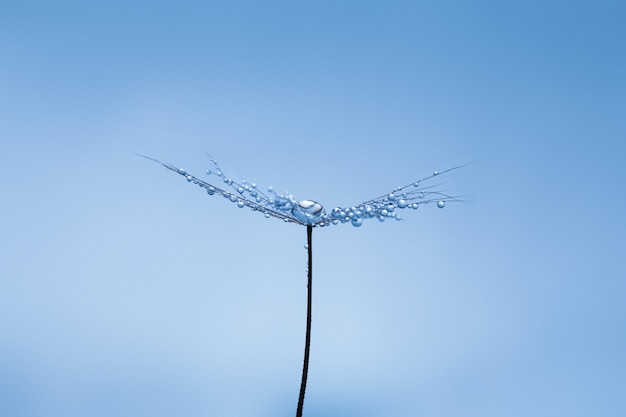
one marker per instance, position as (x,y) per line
(307,344)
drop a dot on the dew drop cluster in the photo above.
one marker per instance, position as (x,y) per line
(311,213)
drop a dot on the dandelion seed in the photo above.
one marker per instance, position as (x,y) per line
(312,214)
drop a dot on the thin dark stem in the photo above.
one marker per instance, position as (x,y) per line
(307,344)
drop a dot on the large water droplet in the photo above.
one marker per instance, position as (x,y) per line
(441,204)
(401,204)
(356,222)
(307,211)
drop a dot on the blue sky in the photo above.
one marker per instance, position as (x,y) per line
(125,291)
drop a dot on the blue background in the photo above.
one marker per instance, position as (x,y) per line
(124,291)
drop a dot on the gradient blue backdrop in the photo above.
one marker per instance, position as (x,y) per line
(126,292)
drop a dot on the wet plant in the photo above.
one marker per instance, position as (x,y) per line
(310,214)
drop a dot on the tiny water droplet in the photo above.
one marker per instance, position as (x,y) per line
(356,222)
(228,181)
(391,197)
(307,211)
(306,246)
(441,204)
(267,215)
(436,173)
(210,190)
(402,204)
(208,172)
(240,203)
(189,178)
(181,171)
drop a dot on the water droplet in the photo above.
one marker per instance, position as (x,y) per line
(182,171)
(436,173)
(391,197)
(240,190)
(307,211)
(356,222)
(416,184)
(228,181)
(402,204)
(267,215)
(210,190)
(384,213)
(240,203)
(189,178)
(253,185)
(306,246)
(441,204)
(233,198)
(208,172)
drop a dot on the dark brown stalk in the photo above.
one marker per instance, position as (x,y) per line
(307,344)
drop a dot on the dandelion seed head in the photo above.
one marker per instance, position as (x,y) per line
(311,213)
